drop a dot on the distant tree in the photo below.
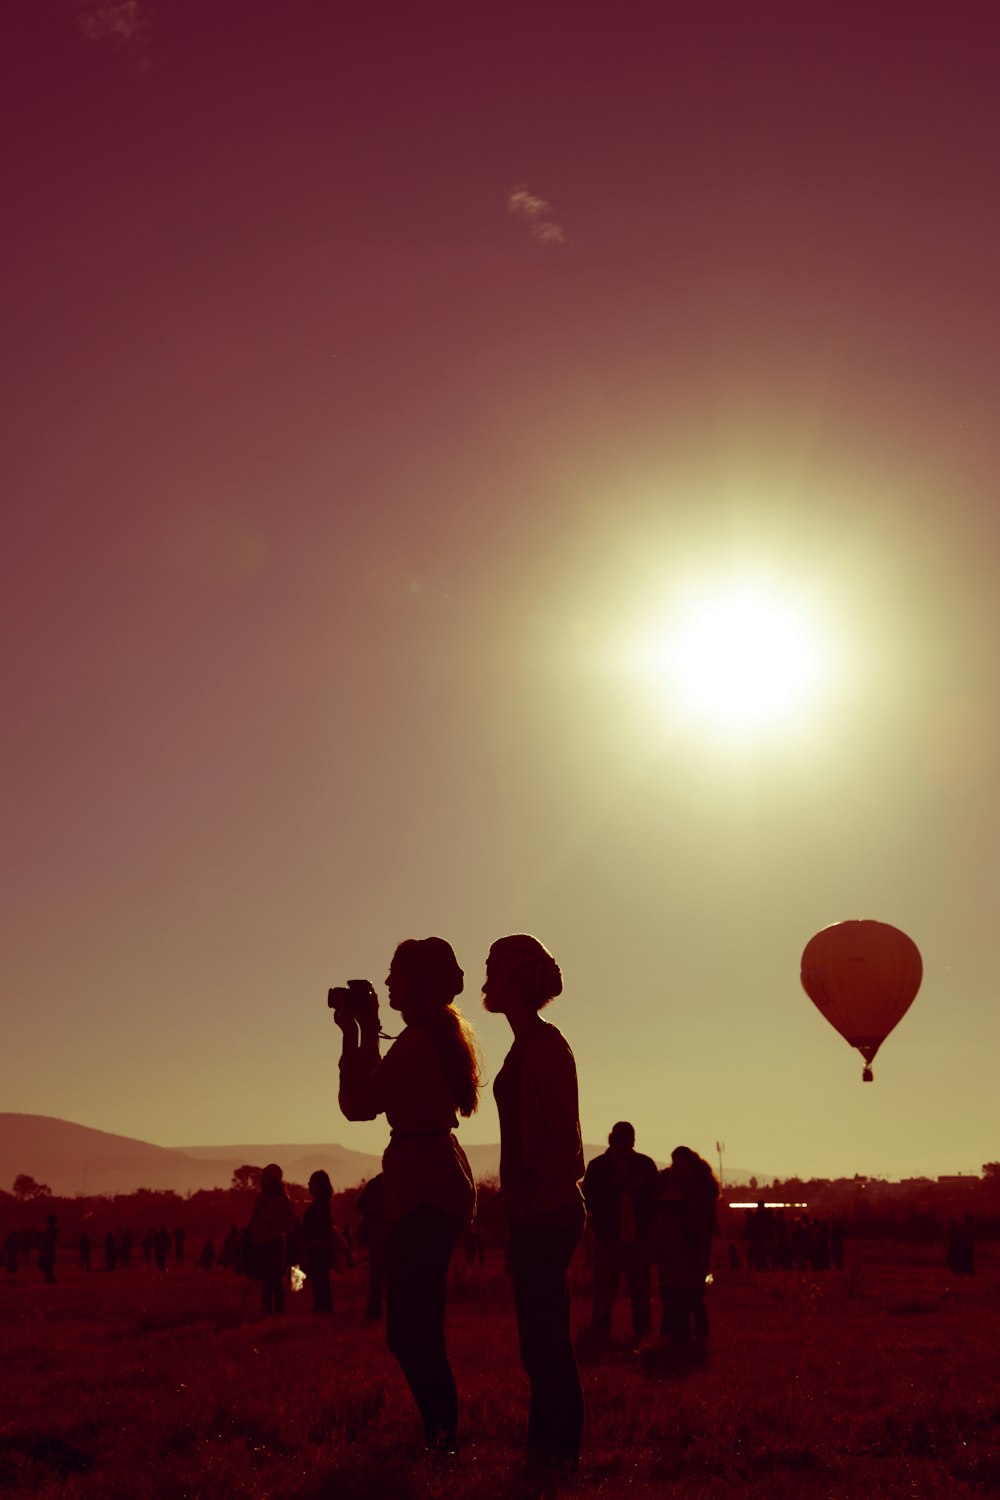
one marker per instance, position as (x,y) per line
(991,1171)
(246,1177)
(25,1187)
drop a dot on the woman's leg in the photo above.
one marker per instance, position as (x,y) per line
(699,1316)
(676,1322)
(317,1269)
(539,1260)
(416,1292)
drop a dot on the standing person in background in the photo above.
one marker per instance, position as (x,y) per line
(272,1219)
(429,1077)
(47,1250)
(317,1242)
(541,1166)
(685,1213)
(619,1188)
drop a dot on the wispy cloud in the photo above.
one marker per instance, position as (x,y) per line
(123,25)
(537,213)
(525,205)
(548,234)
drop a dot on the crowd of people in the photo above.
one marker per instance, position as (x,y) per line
(160,1247)
(773,1243)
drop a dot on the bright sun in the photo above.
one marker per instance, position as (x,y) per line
(745,658)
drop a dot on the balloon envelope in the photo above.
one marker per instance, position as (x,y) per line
(862,976)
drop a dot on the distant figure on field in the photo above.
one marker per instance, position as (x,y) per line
(348,1234)
(800,1240)
(619,1188)
(759,1235)
(541,1167)
(781,1243)
(428,1077)
(317,1242)
(961,1246)
(837,1237)
(83,1251)
(206,1256)
(820,1248)
(161,1247)
(47,1249)
(373,1236)
(180,1236)
(149,1245)
(125,1247)
(110,1252)
(272,1219)
(10,1252)
(230,1247)
(684,1227)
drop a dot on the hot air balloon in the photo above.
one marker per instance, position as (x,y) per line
(862,976)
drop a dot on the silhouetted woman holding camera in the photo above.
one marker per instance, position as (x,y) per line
(429,1077)
(541,1166)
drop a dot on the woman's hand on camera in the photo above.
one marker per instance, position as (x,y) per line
(367,1013)
(347,1021)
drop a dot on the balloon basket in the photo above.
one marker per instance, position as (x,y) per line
(867,1076)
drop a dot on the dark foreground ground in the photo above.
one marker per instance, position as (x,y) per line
(881,1380)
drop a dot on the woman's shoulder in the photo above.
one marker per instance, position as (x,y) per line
(548,1038)
(545,1048)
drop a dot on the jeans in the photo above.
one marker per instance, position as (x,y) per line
(317,1269)
(611,1259)
(270,1258)
(539,1260)
(416,1290)
(684,1311)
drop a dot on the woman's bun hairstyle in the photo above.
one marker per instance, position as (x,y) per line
(529,965)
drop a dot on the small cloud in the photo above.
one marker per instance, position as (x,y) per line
(123,25)
(523,204)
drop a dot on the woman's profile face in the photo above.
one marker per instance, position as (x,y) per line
(498,990)
(400,985)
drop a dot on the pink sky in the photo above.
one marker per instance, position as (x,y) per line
(330,486)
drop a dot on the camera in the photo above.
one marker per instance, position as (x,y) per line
(356,998)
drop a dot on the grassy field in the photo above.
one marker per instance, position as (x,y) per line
(882,1380)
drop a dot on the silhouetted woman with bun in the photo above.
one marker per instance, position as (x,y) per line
(541,1166)
(428,1077)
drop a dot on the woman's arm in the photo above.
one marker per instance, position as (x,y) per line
(369,1083)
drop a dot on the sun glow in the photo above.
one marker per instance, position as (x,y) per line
(744,658)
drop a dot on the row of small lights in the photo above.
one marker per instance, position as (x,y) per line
(755,1202)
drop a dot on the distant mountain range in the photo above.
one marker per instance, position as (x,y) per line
(75,1159)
